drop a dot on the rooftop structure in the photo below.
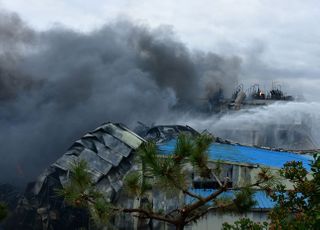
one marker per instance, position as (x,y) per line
(245,154)
(109,151)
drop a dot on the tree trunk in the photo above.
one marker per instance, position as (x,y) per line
(180,227)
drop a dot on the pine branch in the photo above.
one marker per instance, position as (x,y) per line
(202,202)
(149,214)
(187,192)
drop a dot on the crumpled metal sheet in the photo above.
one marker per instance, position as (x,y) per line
(110,156)
(66,162)
(105,188)
(123,135)
(116,145)
(87,143)
(115,178)
(95,162)
(41,179)
(107,151)
(64,178)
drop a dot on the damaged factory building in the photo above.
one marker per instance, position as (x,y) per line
(109,151)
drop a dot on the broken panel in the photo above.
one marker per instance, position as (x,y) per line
(64,178)
(99,145)
(132,140)
(98,133)
(88,143)
(66,162)
(95,175)
(95,162)
(75,149)
(105,188)
(115,180)
(124,167)
(41,179)
(116,146)
(110,156)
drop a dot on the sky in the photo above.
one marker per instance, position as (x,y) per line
(277,40)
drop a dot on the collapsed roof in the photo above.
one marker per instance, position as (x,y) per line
(108,151)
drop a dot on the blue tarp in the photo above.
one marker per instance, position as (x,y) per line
(245,154)
(263,201)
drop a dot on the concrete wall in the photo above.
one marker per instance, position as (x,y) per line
(214,220)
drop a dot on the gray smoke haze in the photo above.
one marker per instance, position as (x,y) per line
(58,84)
(289,125)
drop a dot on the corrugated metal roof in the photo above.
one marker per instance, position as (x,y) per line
(107,151)
(245,154)
(263,201)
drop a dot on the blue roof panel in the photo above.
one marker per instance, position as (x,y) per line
(245,154)
(263,201)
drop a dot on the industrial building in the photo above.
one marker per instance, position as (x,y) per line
(109,151)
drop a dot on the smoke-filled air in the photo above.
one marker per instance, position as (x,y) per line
(58,84)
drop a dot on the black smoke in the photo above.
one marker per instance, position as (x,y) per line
(58,84)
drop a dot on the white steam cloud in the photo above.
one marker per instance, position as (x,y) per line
(293,125)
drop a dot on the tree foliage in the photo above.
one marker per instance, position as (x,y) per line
(245,224)
(81,193)
(297,208)
(3,211)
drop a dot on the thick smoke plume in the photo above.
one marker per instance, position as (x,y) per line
(58,84)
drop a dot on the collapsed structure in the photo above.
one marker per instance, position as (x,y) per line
(109,151)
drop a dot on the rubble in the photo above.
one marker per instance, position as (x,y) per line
(163,133)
